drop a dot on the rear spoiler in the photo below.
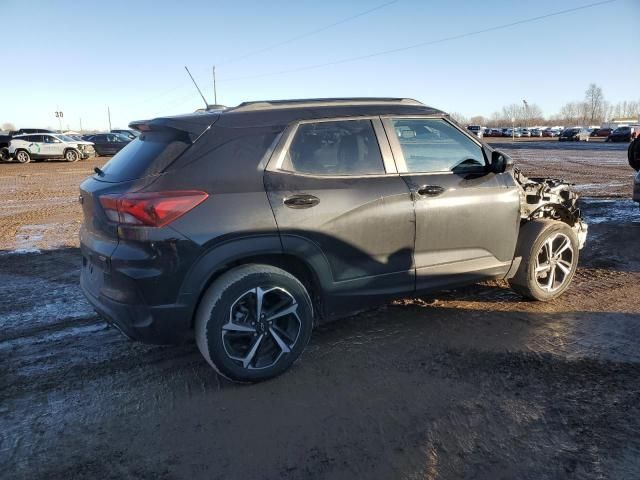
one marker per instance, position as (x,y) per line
(192,125)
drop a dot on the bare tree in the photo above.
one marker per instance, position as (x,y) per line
(458,117)
(478,120)
(513,113)
(594,103)
(625,109)
(8,126)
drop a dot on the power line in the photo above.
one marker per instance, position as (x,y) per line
(421,44)
(307,34)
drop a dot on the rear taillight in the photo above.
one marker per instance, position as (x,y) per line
(152,209)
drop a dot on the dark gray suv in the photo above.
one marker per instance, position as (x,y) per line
(245,227)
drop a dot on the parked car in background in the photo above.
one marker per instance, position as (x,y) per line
(108,143)
(623,134)
(535,132)
(601,132)
(574,134)
(476,130)
(549,132)
(24,131)
(24,148)
(238,227)
(524,132)
(130,134)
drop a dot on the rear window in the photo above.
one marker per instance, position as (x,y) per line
(149,154)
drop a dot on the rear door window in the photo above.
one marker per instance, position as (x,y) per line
(149,154)
(345,147)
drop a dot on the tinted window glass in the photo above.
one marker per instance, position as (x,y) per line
(335,148)
(150,153)
(36,138)
(434,145)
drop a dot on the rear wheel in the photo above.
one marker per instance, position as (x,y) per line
(22,156)
(549,251)
(71,155)
(254,322)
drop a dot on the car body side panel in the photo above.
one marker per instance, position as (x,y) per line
(470,228)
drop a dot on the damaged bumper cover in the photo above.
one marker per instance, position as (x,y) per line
(552,199)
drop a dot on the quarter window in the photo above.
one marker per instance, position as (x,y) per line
(347,147)
(434,145)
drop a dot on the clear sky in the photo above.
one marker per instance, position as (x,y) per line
(81,57)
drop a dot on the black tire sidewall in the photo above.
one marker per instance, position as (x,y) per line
(219,314)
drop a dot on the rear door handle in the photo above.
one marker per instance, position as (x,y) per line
(430,190)
(301,201)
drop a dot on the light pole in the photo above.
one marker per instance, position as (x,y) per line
(526,114)
(59,116)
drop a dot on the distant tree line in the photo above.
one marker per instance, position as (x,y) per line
(592,110)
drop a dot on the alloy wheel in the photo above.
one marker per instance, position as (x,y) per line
(554,263)
(263,325)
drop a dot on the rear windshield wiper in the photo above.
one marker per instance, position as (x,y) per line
(98,171)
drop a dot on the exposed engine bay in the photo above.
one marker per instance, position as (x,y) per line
(550,198)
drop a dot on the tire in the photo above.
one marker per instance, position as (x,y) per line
(532,280)
(71,155)
(4,154)
(248,347)
(22,156)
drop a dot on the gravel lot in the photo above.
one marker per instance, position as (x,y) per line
(470,383)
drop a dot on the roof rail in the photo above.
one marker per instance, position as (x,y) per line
(317,102)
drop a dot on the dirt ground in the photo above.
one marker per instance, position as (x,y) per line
(469,383)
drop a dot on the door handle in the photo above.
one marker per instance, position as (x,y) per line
(430,190)
(301,201)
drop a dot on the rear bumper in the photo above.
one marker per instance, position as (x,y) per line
(158,324)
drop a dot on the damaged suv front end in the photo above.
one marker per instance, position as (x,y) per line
(553,199)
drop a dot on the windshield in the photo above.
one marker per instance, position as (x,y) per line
(65,138)
(621,130)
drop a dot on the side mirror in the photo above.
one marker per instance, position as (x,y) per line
(500,162)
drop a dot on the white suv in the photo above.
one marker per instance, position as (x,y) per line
(39,146)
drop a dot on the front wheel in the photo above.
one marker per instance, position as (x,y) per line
(549,251)
(71,156)
(254,322)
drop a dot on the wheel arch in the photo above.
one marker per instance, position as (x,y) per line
(64,153)
(311,270)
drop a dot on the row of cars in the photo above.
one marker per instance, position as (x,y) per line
(32,144)
(620,134)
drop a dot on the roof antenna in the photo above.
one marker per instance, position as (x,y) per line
(206,105)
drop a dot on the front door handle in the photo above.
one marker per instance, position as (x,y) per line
(430,190)
(301,201)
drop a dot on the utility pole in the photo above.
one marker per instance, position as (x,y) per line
(215,94)
(526,114)
(80,125)
(109,115)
